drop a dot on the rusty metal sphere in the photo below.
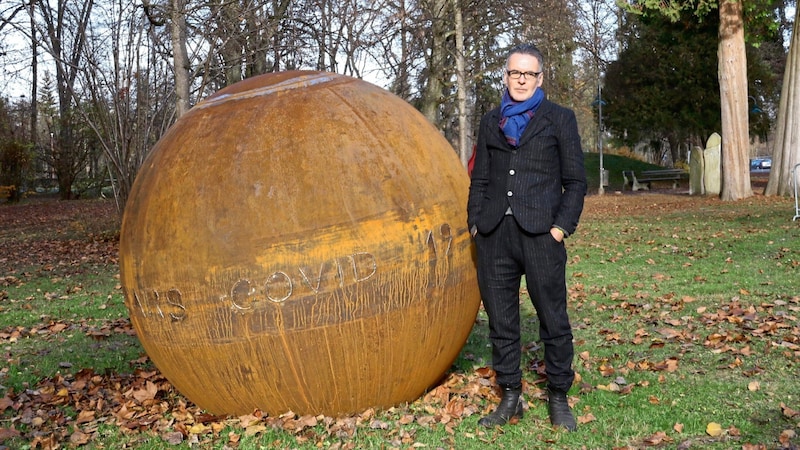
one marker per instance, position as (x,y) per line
(298,241)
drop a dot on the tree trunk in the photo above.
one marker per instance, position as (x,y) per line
(231,51)
(733,99)
(401,83)
(181,62)
(434,86)
(786,153)
(34,113)
(461,79)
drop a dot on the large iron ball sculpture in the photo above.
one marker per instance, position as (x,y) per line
(298,241)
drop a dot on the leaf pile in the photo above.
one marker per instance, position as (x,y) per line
(74,409)
(58,235)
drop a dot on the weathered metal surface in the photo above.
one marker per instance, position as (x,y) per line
(298,242)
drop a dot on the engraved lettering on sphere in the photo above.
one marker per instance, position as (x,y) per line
(278,287)
(241,293)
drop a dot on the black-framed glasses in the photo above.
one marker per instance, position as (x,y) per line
(515,74)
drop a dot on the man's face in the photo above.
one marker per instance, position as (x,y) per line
(522,88)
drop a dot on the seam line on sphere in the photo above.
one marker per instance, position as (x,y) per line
(294,83)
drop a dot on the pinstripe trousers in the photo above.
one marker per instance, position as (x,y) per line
(503,257)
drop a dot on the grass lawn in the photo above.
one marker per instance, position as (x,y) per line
(685,314)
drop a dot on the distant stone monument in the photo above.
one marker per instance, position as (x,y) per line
(712,167)
(696,167)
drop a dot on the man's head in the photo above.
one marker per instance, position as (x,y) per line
(523,72)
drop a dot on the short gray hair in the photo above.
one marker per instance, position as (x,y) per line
(526,49)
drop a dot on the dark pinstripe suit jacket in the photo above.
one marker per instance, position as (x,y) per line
(543,180)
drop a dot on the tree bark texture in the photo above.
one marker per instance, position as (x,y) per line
(786,153)
(436,10)
(461,94)
(181,57)
(733,99)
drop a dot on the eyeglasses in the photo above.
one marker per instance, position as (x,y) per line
(515,74)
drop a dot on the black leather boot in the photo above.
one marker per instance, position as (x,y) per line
(558,406)
(510,406)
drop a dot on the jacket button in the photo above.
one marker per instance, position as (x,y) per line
(509,193)
(511,172)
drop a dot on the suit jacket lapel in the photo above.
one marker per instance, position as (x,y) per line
(496,131)
(538,122)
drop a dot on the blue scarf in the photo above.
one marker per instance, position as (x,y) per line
(516,115)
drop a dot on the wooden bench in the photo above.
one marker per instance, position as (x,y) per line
(647,177)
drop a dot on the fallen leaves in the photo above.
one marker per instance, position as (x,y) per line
(146,402)
(658,439)
(789,412)
(54,328)
(740,330)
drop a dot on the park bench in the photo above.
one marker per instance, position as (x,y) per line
(647,177)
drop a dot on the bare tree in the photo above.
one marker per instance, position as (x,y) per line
(240,34)
(598,25)
(129,96)
(443,56)
(174,14)
(64,37)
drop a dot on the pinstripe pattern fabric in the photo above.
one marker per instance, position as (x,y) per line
(513,252)
(543,182)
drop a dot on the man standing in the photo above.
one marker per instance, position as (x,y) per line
(526,196)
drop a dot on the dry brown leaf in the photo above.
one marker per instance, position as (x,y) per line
(6,402)
(484,372)
(670,333)
(79,438)
(8,433)
(147,393)
(406,419)
(788,412)
(55,328)
(85,416)
(786,437)
(307,420)
(253,430)
(172,437)
(455,407)
(658,438)
(247,420)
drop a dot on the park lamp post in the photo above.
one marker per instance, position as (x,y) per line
(599,102)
